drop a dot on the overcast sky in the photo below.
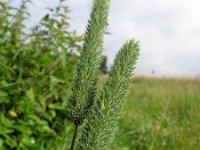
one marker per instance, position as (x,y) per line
(168,31)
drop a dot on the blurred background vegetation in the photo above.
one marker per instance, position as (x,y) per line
(160,114)
(36,70)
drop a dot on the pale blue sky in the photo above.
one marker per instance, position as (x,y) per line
(168,31)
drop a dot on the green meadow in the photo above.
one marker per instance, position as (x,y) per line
(160,114)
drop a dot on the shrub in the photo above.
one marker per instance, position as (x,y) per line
(36,71)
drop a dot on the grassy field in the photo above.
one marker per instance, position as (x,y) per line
(160,114)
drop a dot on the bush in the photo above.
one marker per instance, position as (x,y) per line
(36,71)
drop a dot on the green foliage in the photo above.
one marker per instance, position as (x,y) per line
(36,71)
(97,112)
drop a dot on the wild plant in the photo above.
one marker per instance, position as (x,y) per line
(95,114)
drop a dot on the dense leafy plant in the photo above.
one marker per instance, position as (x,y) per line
(36,70)
(96,113)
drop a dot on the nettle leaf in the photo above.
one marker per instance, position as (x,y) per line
(56,107)
(7,131)
(1,142)
(4,121)
(3,94)
(50,115)
(4,84)
(11,141)
(4,98)
(27,141)
(30,93)
(55,80)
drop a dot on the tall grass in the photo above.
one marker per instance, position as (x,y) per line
(160,114)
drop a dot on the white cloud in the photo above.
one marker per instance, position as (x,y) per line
(168,30)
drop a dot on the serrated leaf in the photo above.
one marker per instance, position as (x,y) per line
(30,94)
(3,94)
